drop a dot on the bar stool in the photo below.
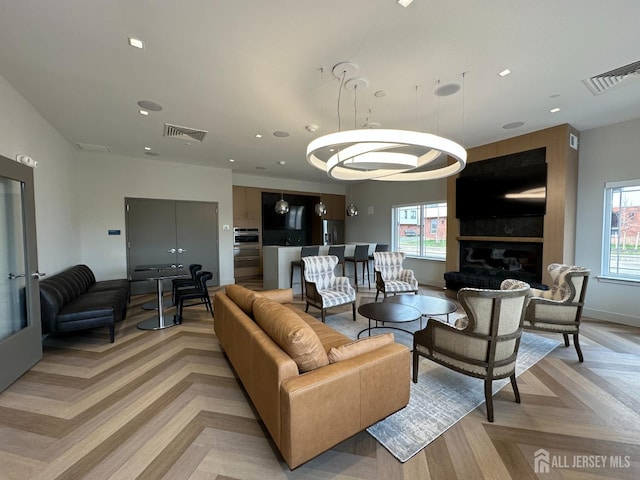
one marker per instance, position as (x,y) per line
(305,252)
(338,251)
(360,255)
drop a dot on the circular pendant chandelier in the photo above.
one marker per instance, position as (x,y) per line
(382,154)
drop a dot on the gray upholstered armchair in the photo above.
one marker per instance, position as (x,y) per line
(323,288)
(559,309)
(486,345)
(390,276)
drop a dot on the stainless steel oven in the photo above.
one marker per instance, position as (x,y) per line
(246,256)
(246,247)
(246,236)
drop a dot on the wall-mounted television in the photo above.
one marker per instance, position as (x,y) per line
(502,192)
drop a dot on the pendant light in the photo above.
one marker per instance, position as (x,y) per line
(282,206)
(320,208)
(382,154)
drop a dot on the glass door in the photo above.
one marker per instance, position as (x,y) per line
(20,329)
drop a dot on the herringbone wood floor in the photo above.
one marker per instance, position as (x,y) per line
(166,404)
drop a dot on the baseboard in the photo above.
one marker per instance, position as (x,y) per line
(611,317)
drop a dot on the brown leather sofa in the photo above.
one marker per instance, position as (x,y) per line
(312,386)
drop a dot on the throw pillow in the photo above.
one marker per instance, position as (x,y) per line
(291,333)
(358,347)
(242,297)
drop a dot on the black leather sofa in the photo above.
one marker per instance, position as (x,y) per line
(73,300)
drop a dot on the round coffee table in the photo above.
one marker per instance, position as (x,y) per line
(426,304)
(388,313)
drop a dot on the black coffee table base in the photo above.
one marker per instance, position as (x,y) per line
(388,313)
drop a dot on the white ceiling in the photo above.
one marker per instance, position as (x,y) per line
(237,68)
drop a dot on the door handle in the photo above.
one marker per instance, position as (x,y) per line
(37,275)
(12,276)
(171,250)
(181,250)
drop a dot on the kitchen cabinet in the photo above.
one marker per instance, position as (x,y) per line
(247,206)
(335,206)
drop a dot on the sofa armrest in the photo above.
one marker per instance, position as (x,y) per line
(323,407)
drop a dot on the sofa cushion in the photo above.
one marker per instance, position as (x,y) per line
(242,297)
(280,295)
(291,333)
(358,347)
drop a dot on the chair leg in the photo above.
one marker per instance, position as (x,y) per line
(353,309)
(514,385)
(415,365)
(112,333)
(368,274)
(306,309)
(302,282)
(576,342)
(323,315)
(488,396)
(566,339)
(377,292)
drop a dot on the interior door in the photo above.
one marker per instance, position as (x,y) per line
(197,236)
(20,328)
(151,239)
(170,232)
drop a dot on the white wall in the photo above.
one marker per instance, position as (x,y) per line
(24,131)
(373,224)
(607,154)
(107,179)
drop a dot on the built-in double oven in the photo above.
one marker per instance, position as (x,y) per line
(246,247)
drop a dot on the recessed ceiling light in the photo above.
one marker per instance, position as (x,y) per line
(231,160)
(405,3)
(379,93)
(149,105)
(136,43)
(504,72)
(258,135)
(280,134)
(554,110)
(261,168)
(143,112)
(147,148)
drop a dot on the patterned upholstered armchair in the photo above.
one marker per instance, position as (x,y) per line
(559,309)
(390,276)
(323,289)
(486,344)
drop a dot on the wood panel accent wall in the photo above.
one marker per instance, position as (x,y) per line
(562,187)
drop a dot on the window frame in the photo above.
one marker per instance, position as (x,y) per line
(608,212)
(420,227)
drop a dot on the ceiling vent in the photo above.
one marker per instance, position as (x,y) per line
(605,81)
(87,147)
(183,133)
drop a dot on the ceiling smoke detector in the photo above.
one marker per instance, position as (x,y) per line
(183,133)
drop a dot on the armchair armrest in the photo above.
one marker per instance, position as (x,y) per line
(407,275)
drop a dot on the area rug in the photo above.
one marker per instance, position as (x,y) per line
(441,397)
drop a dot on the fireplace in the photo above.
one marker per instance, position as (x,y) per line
(485,264)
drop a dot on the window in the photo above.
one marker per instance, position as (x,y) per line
(421,230)
(621,238)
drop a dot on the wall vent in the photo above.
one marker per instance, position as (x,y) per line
(183,133)
(605,81)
